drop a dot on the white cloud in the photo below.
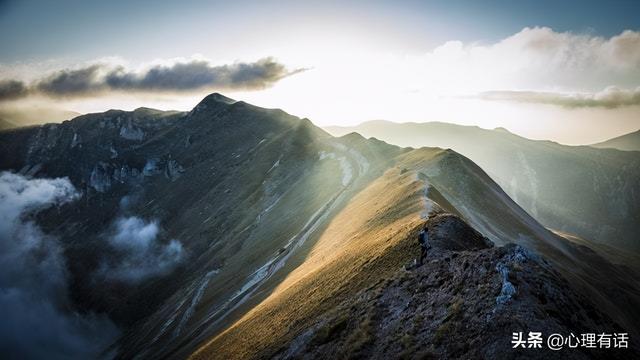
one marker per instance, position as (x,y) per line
(537,58)
(140,254)
(356,84)
(20,195)
(33,281)
(611,97)
(351,87)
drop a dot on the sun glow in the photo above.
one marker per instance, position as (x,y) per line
(350,76)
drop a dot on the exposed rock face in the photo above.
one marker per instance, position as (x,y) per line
(75,141)
(173,170)
(100,178)
(130,132)
(151,168)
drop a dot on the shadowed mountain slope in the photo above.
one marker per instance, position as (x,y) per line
(590,192)
(627,142)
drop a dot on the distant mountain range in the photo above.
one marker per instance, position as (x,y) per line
(234,231)
(590,192)
(34,115)
(6,124)
(627,142)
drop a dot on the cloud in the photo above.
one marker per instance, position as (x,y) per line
(37,320)
(611,97)
(12,89)
(537,58)
(140,254)
(182,76)
(199,74)
(83,81)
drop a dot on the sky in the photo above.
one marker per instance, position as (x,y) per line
(568,71)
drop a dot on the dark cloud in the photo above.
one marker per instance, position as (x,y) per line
(199,74)
(72,82)
(178,77)
(12,89)
(609,98)
(37,320)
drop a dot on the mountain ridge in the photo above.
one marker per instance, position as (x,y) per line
(261,202)
(626,142)
(575,189)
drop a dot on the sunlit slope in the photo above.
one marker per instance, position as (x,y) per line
(370,239)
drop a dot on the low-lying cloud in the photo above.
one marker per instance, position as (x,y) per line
(140,254)
(610,98)
(182,76)
(37,320)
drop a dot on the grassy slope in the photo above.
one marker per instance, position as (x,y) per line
(373,236)
(222,204)
(353,253)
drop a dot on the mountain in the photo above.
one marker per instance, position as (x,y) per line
(33,115)
(5,124)
(589,192)
(350,298)
(238,231)
(627,142)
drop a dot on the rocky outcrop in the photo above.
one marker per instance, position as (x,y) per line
(100,178)
(456,306)
(173,170)
(130,132)
(449,232)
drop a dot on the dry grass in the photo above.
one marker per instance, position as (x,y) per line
(330,330)
(352,254)
(446,327)
(361,337)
